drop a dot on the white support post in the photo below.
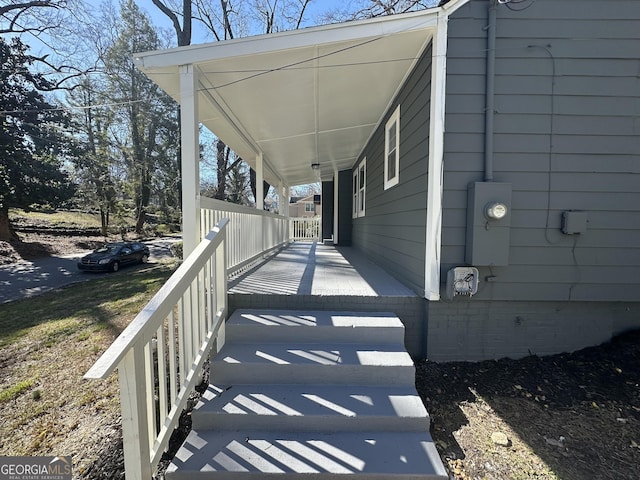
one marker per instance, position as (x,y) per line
(260,196)
(335,207)
(135,427)
(190,139)
(259,182)
(286,193)
(436,159)
(280,190)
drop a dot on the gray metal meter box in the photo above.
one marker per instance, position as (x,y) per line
(488,223)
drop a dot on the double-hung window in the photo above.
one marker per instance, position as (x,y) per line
(392,150)
(359,189)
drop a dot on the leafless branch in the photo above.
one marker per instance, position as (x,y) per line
(304,5)
(12,12)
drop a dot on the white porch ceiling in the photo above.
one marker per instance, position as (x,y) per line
(301,97)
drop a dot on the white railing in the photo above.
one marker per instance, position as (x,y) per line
(159,356)
(251,233)
(305,229)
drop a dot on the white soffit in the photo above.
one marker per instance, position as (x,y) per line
(301,97)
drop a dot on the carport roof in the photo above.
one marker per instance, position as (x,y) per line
(300,97)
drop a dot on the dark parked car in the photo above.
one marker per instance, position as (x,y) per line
(111,256)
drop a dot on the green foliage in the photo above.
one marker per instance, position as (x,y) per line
(32,144)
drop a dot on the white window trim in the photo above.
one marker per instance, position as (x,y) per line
(394,119)
(359,200)
(354,193)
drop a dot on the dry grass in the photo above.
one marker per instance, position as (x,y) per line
(48,343)
(60,218)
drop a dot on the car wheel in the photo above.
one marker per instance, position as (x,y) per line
(115,266)
(144,259)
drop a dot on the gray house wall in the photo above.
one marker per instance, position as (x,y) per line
(327,209)
(344,208)
(392,232)
(566,137)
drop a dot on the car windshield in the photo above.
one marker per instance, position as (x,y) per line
(107,249)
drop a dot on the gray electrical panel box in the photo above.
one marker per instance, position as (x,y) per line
(488,223)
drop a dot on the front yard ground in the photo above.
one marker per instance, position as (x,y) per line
(571,416)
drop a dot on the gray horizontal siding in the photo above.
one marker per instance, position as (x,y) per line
(392,232)
(566,136)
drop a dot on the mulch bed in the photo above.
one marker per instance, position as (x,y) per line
(579,413)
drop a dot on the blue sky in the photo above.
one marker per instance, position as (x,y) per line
(315,8)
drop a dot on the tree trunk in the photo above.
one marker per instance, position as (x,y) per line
(104,222)
(254,180)
(221,163)
(7,233)
(141,217)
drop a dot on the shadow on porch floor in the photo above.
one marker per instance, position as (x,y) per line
(322,270)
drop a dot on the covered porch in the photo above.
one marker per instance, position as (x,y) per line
(300,106)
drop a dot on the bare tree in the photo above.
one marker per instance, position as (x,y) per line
(362,9)
(181,17)
(279,15)
(54,25)
(35,17)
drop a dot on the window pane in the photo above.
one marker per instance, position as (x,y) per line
(391,167)
(392,136)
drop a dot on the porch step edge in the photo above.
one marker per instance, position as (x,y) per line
(311,408)
(248,325)
(312,363)
(257,454)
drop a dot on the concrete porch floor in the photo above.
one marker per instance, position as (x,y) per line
(313,276)
(319,270)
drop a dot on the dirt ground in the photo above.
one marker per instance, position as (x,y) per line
(34,245)
(571,416)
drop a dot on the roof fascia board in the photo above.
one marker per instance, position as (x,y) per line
(323,35)
(453,5)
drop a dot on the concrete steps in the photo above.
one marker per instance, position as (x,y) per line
(310,395)
(304,407)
